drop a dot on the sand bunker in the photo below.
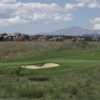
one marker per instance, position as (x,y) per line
(47,65)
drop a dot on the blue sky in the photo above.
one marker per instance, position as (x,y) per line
(35,16)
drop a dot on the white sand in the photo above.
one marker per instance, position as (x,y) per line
(47,65)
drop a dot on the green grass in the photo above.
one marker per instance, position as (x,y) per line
(77,78)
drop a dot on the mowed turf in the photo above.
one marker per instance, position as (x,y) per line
(77,77)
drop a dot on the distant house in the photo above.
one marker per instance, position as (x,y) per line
(3,36)
(42,38)
(21,37)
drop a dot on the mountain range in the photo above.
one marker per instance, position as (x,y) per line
(74,31)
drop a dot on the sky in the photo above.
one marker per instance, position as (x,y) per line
(35,16)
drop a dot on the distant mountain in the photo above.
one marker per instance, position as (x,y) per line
(74,31)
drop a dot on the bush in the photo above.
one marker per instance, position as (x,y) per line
(29,91)
(39,78)
(18,71)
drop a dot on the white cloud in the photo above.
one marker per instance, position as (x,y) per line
(12,21)
(95,23)
(69,6)
(90,3)
(7,1)
(12,12)
(97,26)
(73,6)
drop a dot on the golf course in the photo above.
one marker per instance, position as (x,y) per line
(71,70)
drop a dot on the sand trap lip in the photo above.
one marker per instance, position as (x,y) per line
(46,65)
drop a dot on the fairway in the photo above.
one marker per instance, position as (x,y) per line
(76,78)
(64,65)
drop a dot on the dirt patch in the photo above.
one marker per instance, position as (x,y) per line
(46,65)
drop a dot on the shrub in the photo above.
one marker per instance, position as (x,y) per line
(39,78)
(29,91)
